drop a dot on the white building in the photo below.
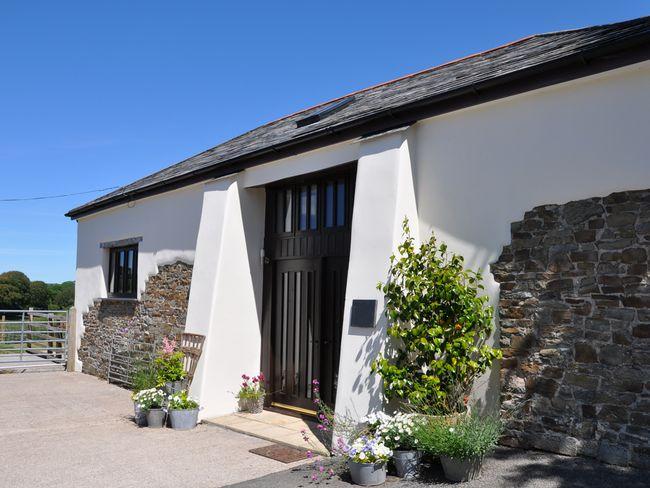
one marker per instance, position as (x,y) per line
(287,225)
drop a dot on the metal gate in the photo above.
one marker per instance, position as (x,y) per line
(33,339)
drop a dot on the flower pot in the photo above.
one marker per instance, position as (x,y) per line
(139,415)
(251,405)
(155,418)
(406,463)
(184,419)
(367,474)
(461,469)
(173,387)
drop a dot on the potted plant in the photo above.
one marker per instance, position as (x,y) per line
(170,368)
(398,434)
(461,446)
(183,411)
(143,378)
(439,324)
(251,394)
(152,402)
(367,457)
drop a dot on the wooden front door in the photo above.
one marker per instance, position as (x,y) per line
(307,246)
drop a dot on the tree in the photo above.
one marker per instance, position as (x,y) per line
(62,295)
(17,292)
(439,325)
(14,290)
(39,295)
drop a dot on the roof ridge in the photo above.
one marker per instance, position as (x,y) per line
(599,26)
(404,77)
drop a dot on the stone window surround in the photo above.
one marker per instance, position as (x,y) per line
(121,242)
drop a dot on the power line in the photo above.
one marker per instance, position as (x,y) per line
(48,197)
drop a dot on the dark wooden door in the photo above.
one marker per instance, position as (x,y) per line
(307,245)
(296,335)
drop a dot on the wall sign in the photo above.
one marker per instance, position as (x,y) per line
(363,313)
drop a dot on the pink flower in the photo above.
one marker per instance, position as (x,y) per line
(315,382)
(245,377)
(321,468)
(168,346)
(310,454)
(314,477)
(261,377)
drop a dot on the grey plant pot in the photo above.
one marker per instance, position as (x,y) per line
(367,474)
(155,418)
(251,405)
(173,387)
(461,469)
(184,419)
(139,415)
(407,463)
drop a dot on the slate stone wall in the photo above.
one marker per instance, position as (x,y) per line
(136,324)
(575,329)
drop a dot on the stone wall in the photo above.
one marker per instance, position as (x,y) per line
(142,323)
(575,329)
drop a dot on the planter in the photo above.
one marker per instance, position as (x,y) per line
(139,416)
(366,474)
(155,418)
(251,405)
(461,469)
(184,419)
(406,463)
(173,387)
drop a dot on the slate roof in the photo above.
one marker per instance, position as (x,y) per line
(517,57)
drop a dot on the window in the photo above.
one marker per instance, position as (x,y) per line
(123,272)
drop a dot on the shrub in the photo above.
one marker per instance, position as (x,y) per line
(169,364)
(439,325)
(180,401)
(144,377)
(252,388)
(470,436)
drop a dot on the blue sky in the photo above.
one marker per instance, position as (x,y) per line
(97,94)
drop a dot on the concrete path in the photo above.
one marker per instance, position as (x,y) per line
(506,468)
(69,429)
(274,427)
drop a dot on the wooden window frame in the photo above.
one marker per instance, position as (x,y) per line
(113,253)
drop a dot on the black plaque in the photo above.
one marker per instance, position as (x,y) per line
(363,313)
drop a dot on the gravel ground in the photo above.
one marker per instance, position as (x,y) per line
(68,429)
(505,468)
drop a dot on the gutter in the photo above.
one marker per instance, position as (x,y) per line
(578,65)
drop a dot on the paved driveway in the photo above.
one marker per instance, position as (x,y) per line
(70,429)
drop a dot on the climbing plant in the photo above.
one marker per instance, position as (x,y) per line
(439,323)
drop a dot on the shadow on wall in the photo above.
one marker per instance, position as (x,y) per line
(371,383)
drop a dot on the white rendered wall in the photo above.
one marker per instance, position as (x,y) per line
(226,294)
(481,168)
(168,225)
(384,195)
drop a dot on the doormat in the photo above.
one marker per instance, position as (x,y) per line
(278,452)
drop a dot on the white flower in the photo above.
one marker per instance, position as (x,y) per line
(362,456)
